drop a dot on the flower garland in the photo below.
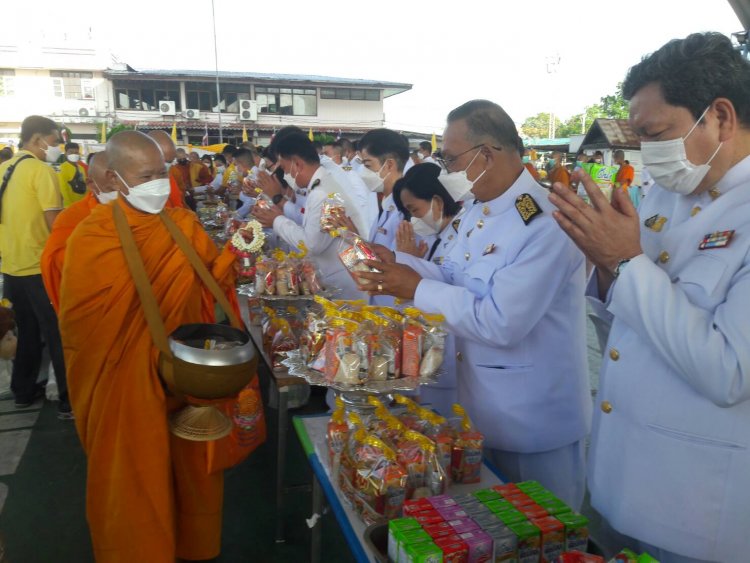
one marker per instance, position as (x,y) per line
(259,238)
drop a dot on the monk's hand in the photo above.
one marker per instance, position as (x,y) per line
(266,215)
(393,279)
(606,233)
(406,240)
(270,184)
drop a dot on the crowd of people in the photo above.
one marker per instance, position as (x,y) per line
(467,232)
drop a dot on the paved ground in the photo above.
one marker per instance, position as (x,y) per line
(42,491)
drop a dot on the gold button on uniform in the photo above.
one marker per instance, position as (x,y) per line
(664,257)
(695,211)
(714,193)
(459,356)
(606,407)
(614,354)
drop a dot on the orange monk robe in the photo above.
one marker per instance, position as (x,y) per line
(176,198)
(532,170)
(54,249)
(559,174)
(149,494)
(625,176)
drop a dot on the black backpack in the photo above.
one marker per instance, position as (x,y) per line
(77,184)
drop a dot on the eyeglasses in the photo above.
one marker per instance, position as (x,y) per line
(448,162)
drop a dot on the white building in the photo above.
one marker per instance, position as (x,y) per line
(82,88)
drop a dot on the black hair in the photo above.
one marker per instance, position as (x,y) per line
(346,144)
(6,153)
(693,72)
(37,124)
(426,146)
(230,150)
(206,156)
(72,146)
(384,144)
(329,144)
(271,150)
(89,157)
(279,173)
(298,145)
(422,182)
(220,158)
(487,122)
(318,145)
(245,156)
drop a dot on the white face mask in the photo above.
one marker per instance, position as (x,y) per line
(105,197)
(427,225)
(344,161)
(668,164)
(149,197)
(51,153)
(457,184)
(372,180)
(74,158)
(220,169)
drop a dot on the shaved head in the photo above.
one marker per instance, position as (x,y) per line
(165,143)
(136,158)
(98,172)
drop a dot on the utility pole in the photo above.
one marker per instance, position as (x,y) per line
(553,62)
(216,60)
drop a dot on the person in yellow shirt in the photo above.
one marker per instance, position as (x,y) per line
(72,176)
(29,203)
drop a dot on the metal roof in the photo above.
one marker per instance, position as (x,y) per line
(610,134)
(390,88)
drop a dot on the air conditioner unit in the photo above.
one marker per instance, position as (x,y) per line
(192,114)
(248,110)
(167,107)
(87,110)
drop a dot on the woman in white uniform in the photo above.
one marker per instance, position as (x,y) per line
(431,213)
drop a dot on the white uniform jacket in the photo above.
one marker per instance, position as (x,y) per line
(513,295)
(322,248)
(670,463)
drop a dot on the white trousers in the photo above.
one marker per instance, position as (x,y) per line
(562,471)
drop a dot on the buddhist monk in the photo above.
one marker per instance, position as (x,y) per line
(169,151)
(558,172)
(99,191)
(150,496)
(625,174)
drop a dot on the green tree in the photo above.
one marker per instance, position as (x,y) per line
(538,126)
(615,106)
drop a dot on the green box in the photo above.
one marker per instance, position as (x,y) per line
(486,495)
(426,552)
(528,486)
(529,542)
(395,528)
(576,531)
(499,505)
(410,537)
(509,517)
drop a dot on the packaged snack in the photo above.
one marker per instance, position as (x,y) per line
(440,501)
(529,542)
(287,277)
(533,511)
(353,251)
(576,531)
(512,516)
(433,345)
(486,495)
(507,489)
(310,279)
(337,433)
(454,551)
(333,208)
(580,557)
(440,432)
(553,536)
(412,344)
(463,525)
(414,506)
(423,552)
(379,480)
(439,530)
(395,527)
(505,544)
(341,360)
(265,277)
(411,455)
(479,544)
(283,341)
(466,458)
(428,517)
(408,538)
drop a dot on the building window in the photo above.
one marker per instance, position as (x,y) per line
(201,95)
(231,94)
(144,95)
(350,94)
(6,82)
(286,101)
(73,85)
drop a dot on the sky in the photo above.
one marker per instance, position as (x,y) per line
(450,51)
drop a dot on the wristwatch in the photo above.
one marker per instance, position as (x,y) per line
(277,198)
(620,267)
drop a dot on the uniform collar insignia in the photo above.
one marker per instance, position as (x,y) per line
(655,223)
